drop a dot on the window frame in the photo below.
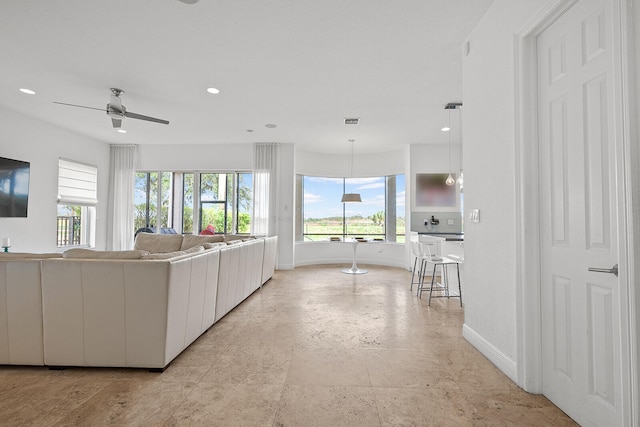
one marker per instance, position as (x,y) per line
(77,189)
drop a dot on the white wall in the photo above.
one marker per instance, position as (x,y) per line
(313,253)
(337,165)
(285,209)
(213,157)
(634,69)
(38,142)
(489,159)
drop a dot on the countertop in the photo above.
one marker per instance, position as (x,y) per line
(448,237)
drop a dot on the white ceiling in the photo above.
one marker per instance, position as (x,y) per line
(304,65)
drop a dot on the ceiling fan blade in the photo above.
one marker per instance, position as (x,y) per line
(117,123)
(147,118)
(81,106)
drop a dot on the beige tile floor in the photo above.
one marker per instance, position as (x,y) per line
(314,347)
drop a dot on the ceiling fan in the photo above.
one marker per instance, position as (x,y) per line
(117,111)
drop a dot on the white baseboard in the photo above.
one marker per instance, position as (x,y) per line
(502,362)
(285,267)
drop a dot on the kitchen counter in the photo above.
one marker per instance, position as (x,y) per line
(447,237)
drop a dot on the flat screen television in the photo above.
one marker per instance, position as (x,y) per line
(14,188)
(432,190)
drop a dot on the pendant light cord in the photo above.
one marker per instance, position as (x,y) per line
(450,130)
(351,157)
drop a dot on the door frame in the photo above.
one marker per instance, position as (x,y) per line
(528,263)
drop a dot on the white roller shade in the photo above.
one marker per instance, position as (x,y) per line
(77,183)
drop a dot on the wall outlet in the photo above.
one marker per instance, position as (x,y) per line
(450,221)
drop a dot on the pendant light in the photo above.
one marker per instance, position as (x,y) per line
(351,197)
(450,181)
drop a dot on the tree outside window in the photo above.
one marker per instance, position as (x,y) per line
(222,200)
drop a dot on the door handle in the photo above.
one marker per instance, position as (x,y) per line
(612,270)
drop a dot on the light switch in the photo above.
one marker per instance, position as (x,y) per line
(450,221)
(474,215)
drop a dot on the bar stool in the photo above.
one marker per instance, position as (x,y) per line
(418,252)
(443,263)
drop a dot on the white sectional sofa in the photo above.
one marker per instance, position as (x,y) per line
(21,309)
(127,309)
(239,277)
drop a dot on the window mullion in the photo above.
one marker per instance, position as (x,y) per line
(158,191)
(197,227)
(344,210)
(148,201)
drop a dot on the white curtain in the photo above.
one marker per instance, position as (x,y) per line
(265,167)
(122,172)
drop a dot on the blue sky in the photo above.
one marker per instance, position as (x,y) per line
(322,196)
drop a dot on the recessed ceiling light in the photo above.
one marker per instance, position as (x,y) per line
(189,1)
(27,91)
(445,129)
(122,131)
(270,126)
(213,90)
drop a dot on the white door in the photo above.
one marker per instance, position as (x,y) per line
(581,310)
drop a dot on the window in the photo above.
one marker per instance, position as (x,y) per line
(191,201)
(245,202)
(322,215)
(187,202)
(77,198)
(152,195)
(213,203)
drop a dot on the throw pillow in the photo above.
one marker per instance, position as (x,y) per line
(214,245)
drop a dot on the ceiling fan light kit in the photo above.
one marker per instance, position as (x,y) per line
(117,111)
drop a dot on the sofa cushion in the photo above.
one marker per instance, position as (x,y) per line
(214,245)
(167,255)
(20,255)
(190,240)
(80,253)
(233,237)
(158,243)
